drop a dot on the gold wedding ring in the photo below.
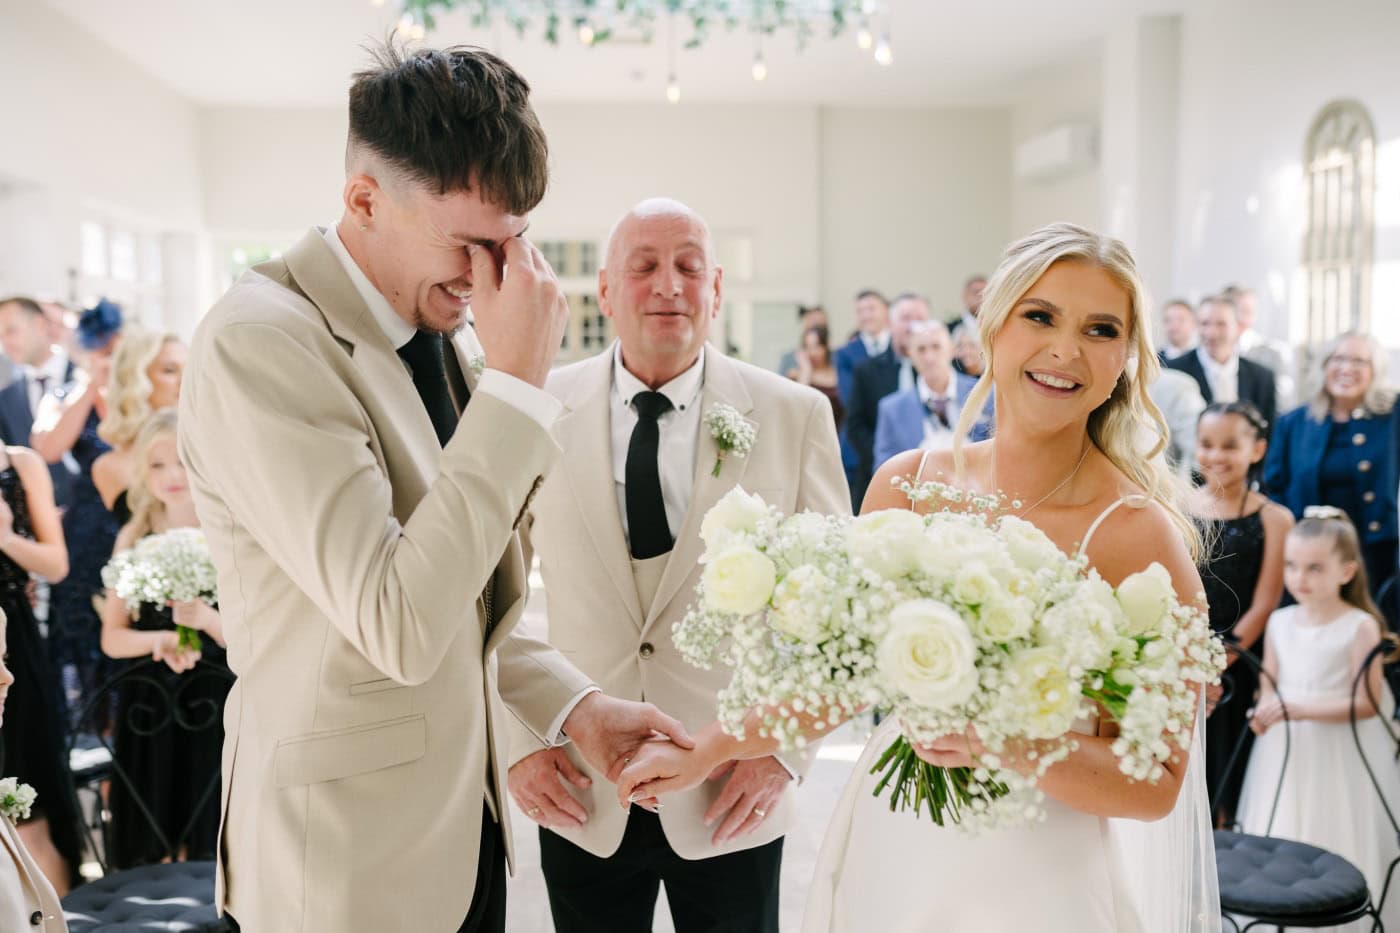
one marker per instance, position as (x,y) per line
(761,812)
(532,811)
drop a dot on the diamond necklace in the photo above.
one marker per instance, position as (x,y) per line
(1015,503)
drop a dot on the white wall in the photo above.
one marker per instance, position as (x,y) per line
(1254,75)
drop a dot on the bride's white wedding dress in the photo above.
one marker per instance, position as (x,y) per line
(1072,873)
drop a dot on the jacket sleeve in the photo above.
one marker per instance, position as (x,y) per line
(1277,475)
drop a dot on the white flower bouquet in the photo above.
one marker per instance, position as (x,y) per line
(171,567)
(16,799)
(950,621)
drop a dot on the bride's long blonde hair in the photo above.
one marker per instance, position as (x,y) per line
(1118,426)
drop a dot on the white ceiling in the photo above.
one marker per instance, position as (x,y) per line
(293,53)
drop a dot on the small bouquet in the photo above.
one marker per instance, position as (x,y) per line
(173,567)
(16,799)
(950,621)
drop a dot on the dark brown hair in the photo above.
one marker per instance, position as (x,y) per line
(453,119)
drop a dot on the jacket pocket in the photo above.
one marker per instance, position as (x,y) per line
(329,756)
(375,686)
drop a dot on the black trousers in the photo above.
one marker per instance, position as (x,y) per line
(734,893)
(487,913)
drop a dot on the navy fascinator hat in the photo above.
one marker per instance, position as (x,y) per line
(99,324)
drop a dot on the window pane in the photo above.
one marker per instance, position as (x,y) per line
(94,248)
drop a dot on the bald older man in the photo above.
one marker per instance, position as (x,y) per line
(618,536)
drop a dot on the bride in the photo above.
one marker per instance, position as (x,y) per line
(1063,318)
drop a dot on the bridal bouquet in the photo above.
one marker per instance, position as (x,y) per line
(170,567)
(950,621)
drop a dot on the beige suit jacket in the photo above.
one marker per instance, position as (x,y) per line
(24,891)
(352,554)
(595,617)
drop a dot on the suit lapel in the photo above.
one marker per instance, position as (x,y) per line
(723,385)
(585,434)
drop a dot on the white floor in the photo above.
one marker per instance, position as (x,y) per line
(528,910)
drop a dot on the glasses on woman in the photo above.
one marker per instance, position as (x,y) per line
(1355,362)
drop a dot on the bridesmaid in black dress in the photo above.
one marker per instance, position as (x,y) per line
(32,746)
(1242,573)
(169,724)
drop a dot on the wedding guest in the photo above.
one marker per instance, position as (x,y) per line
(1242,572)
(165,769)
(67,427)
(879,376)
(967,352)
(1339,449)
(63,324)
(146,373)
(872,338)
(1216,365)
(32,746)
(28,900)
(814,368)
(1274,355)
(1179,399)
(971,303)
(42,367)
(618,537)
(807,318)
(926,416)
(1179,327)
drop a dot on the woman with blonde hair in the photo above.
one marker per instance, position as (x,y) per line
(1340,449)
(1060,320)
(146,373)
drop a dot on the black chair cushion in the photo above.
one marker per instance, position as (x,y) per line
(1263,877)
(178,898)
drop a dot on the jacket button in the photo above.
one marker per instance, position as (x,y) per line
(36,918)
(1364,466)
(1373,527)
(1368,496)
(646,650)
(1358,439)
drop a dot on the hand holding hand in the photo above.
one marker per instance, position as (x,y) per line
(608,731)
(752,791)
(1267,714)
(519,311)
(660,767)
(537,784)
(167,649)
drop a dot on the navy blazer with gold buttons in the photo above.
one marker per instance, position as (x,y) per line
(1293,467)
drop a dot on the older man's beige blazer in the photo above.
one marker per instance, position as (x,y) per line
(353,553)
(593,608)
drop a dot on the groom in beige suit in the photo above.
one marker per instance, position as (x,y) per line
(618,538)
(360,471)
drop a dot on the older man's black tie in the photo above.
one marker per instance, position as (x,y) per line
(647,531)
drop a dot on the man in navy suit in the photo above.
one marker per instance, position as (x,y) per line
(877,377)
(1216,365)
(927,415)
(871,339)
(41,369)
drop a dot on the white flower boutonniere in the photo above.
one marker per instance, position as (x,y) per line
(733,433)
(16,799)
(477,364)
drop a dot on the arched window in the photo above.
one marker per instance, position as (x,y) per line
(1339,165)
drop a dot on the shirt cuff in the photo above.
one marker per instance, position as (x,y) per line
(537,404)
(555,733)
(797,778)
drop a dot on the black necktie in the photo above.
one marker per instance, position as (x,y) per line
(646,510)
(938,407)
(424,356)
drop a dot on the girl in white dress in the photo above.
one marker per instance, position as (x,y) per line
(1061,319)
(1313,650)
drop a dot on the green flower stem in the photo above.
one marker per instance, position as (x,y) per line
(189,639)
(719,463)
(915,784)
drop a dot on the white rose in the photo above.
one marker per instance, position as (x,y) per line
(802,618)
(1004,619)
(1146,598)
(1082,631)
(740,580)
(928,655)
(954,542)
(888,541)
(974,584)
(738,513)
(1047,696)
(1028,545)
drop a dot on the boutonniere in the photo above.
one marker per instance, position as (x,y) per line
(16,799)
(733,433)
(477,364)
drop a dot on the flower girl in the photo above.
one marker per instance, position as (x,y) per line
(1313,651)
(169,767)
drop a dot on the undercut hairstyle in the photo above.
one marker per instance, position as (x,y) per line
(454,119)
(28,305)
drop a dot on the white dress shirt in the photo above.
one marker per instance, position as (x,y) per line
(679,436)
(936,435)
(876,345)
(51,372)
(1171,352)
(1223,378)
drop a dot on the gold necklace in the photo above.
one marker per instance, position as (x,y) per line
(1015,503)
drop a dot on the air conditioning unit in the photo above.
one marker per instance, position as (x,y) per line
(1061,150)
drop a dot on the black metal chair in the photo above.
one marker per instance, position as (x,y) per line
(157,891)
(1378,653)
(1388,601)
(1280,882)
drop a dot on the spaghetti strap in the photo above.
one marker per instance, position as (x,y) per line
(1136,501)
(923,462)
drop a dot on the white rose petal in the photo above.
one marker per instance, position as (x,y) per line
(738,513)
(1146,599)
(800,605)
(887,541)
(928,654)
(974,584)
(740,580)
(1004,619)
(1048,696)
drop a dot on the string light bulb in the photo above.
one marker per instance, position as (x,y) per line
(376,2)
(883,53)
(586,35)
(865,39)
(760,67)
(673,90)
